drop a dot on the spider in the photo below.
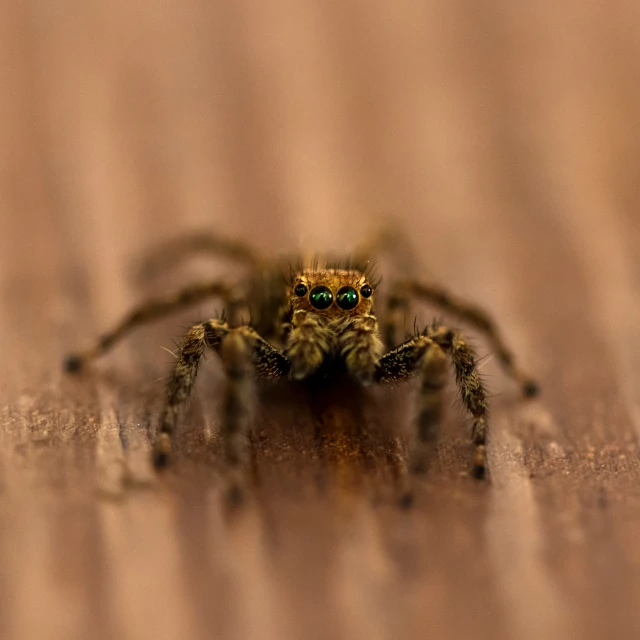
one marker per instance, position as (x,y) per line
(319,324)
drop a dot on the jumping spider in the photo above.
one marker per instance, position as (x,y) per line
(324,325)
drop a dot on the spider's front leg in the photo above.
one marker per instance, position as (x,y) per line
(406,290)
(426,354)
(244,355)
(149,311)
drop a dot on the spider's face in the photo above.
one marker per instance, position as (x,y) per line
(332,292)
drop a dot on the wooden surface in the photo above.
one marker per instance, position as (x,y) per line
(503,137)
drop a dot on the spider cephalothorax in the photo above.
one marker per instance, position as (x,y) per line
(325,327)
(332,293)
(330,326)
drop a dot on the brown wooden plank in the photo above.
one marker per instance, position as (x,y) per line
(502,138)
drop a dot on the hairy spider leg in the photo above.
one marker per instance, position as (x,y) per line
(433,378)
(386,240)
(398,304)
(395,317)
(147,312)
(425,351)
(172,253)
(243,353)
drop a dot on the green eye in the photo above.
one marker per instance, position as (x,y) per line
(321,297)
(347,298)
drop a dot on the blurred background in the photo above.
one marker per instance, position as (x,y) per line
(502,138)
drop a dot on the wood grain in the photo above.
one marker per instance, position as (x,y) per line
(502,137)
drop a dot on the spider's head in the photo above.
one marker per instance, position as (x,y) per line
(332,292)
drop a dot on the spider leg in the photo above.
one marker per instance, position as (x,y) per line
(425,354)
(147,312)
(170,254)
(244,355)
(376,242)
(394,319)
(385,240)
(180,383)
(432,381)
(398,304)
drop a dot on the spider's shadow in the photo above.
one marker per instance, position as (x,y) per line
(326,434)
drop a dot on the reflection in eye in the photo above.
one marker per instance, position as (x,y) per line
(321,297)
(347,298)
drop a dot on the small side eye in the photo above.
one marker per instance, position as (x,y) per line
(366,291)
(300,290)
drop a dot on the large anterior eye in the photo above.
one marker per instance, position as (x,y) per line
(347,298)
(321,297)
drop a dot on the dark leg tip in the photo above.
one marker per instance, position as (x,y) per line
(160,459)
(406,500)
(419,466)
(162,450)
(365,376)
(235,495)
(531,389)
(300,373)
(478,472)
(72,363)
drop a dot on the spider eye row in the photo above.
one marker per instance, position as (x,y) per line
(321,297)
